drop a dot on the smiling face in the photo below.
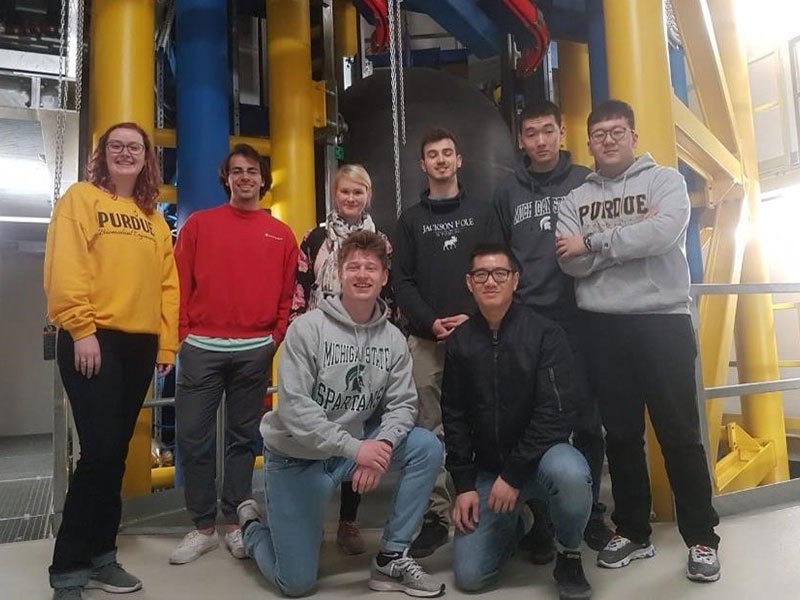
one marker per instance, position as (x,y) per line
(351,199)
(362,276)
(125,154)
(440,160)
(612,143)
(244,179)
(491,294)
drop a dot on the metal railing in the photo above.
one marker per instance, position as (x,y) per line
(763,496)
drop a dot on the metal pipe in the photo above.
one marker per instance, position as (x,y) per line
(291,113)
(203,91)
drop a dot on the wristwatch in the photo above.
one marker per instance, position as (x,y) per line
(587,241)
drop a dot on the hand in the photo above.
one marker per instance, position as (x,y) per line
(439,330)
(374,454)
(164,369)
(651,213)
(451,323)
(87,356)
(365,479)
(465,512)
(568,246)
(503,497)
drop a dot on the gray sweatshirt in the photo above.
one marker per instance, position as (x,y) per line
(335,375)
(636,223)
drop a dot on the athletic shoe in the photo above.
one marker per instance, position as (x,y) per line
(193,546)
(114,579)
(403,574)
(620,551)
(68,593)
(703,564)
(434,533)
(248,511)
(570,580)
(597,534)
(234,543)
(349,538)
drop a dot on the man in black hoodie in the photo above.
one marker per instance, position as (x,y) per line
(508,400)
(432,245)
(527,205)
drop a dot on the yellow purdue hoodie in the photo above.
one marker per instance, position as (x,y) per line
(108,265)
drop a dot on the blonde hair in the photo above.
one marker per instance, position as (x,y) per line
(355,173)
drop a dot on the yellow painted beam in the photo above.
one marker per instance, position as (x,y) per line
(756,348)
(575,98)
(749,462)
(167,193)
(345,35)
(705,65)
(638,72)
(121,89)
(167,138)
(291,113)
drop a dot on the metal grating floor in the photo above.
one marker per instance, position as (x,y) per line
(25,506)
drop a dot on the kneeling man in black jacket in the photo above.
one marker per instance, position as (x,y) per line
(508,403)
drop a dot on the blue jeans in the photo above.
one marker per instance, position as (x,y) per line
(287,546)
(562,480)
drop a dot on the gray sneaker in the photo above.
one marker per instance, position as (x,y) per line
(404,574)
(114,579)
(67,593)
(248,511)
(620,551)
(703,564)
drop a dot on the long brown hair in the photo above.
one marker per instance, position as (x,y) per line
(145,191)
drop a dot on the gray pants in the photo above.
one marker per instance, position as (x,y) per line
(428,357)
(203,376)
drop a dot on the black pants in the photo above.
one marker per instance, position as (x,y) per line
(203,375)
(105,409)
(648,360)
(348,506)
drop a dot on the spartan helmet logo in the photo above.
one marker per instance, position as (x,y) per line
(544,224)
(354,380)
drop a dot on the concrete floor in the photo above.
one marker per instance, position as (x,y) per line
(760,559)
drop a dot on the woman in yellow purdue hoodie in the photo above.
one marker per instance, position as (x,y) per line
(112,288)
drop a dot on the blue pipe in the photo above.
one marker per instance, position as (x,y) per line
(203,103)
(598,63)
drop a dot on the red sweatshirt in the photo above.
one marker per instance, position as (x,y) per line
(236,272)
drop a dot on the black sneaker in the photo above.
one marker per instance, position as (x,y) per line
(114,579)
(434,533)
(597,534)
(570,580)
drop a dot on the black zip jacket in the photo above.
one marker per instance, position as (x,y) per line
(507,396)
(527,210)
(432,244)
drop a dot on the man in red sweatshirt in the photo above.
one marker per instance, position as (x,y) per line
(236,265)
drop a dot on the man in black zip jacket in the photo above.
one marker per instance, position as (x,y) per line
(527,204)
(431,253)
(508,402)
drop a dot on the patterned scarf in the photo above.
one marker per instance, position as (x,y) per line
(337,230)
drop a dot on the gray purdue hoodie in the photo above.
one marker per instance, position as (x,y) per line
(637,226)
(334,375)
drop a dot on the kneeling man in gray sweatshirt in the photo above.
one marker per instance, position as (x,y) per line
(347,407)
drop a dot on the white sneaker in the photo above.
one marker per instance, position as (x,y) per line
(193,546)
(234,543)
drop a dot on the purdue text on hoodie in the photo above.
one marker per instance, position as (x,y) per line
(637,222)
(528,212)
(334,375)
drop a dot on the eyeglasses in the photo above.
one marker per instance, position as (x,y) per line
(482,275)
(598,136)
(116,147)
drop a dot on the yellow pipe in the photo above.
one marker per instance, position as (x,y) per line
(638,73)
(756,349)
(291,113)
(345,34)
(575,97)
(121,89)
(167,138)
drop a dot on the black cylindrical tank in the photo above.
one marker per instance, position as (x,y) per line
(433,99)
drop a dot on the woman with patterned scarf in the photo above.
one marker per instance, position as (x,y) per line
(317,277)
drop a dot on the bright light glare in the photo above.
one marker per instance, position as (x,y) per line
(24,219)
(761,20)
(24,176)
(778,227)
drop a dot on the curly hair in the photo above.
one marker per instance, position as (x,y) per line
(145,191)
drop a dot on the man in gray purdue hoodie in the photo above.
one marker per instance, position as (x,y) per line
(622,235)
(347,410)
